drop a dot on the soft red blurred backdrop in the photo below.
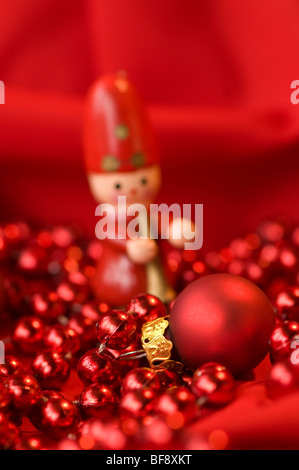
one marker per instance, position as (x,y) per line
(216,76)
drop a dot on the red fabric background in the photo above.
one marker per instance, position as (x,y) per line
(216,76)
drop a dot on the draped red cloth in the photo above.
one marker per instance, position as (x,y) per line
(216,77)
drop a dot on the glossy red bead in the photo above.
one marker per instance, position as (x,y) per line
(98,400)
(24,392)
(55,416)
(281,341)
(61,338)
(138,403)
(146,308)
(51,369)
(284,378)
(139,378)
(95,367)
(85,329)
(213,384)
(9,434)
(12,366)
(28,335)
(177,405)
(47,305)
(4,399)
(116,329)
(287,303)
(95,434)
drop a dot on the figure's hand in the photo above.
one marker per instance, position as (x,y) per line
(180,230)
(142,251)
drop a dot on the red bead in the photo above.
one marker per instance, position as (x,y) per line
(47,306)
(98,400)
(95,434)
(51,369)
(4,398)
(169,378)
(288,304)
(95,367)
(15,291)
(138,402)
(91,311)
(24,391)
(281,341)
(177,405)
(213,384)
(116,329)
(155,433)
(61,338)
(33,260)
(75,289)
(139,378)
(55,416)
(85,329)
(9,434)
(284,378)
(146,308)
(28,335)
(12,366)
(222,318)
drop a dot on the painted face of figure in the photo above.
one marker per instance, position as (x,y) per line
(139,186)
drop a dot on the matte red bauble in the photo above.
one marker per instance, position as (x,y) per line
(213,384)
(24,392)
(51,369)
(116,329)
(146,308)
(54,415)
(95,367)
(222,318)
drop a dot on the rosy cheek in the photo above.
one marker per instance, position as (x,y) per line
(148,193)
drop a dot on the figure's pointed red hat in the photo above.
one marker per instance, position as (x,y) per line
(117,131)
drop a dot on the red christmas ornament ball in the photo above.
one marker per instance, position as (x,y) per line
(116,329)
(145,308)
(54,415)
(213,384)
(51,369)
(222,318)
(28,335)
(95,367)
(24,391)
(98,401)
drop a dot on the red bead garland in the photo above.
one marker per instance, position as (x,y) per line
(56,321)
